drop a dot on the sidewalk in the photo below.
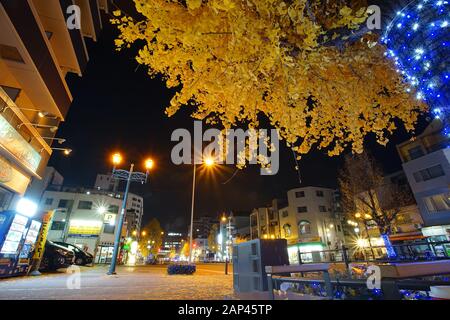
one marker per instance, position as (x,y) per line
(130,283)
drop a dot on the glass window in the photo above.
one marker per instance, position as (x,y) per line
(302,209)
(63,203)
(319,193)
(438,202)
(429,173)
(299,194)
(287,230)
(109,228)
(86,205)
(415,152)
(58,225)
(284,214)
(48,201)
(113,208)
(322,209)
(304,227)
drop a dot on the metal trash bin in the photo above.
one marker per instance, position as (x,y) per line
(250,259)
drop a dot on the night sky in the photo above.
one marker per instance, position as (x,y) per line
(118,107)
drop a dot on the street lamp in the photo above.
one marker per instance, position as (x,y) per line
(128,176)
(208,162)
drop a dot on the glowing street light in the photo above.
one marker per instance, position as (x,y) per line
(116,159)
(209,162)
(149,164)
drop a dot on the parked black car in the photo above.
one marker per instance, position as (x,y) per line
(56,256)
(82,258)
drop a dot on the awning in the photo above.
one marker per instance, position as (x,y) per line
(406,236)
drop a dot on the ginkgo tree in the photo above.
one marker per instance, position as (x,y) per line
(292,61)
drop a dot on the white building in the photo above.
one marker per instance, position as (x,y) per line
(135,203)
(106,182)
(426,162)
(88,218)
(309,222)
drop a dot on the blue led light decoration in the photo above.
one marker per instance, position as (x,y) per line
(418,40)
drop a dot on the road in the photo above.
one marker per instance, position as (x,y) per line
(130,283)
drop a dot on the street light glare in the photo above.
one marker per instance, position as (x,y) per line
(149,164)
(209,161)
(116,158)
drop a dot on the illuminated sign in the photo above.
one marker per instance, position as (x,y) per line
(15,233)
(12,178)
(85,227)
(110,218)
(12,141)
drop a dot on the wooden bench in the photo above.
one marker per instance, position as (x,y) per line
(303,268)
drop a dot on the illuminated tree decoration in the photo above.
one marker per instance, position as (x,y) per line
(418,40)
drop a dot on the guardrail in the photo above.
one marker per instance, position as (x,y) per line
(394,278)
(423,251)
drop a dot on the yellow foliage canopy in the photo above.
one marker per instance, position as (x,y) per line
(233,60)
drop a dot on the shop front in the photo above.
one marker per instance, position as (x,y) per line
(308,251)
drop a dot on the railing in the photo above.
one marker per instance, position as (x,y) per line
(397,281)
(424,251)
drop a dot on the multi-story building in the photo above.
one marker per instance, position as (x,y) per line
(202,226)
(85,218)
(173,241)
(264,222)
(311,222)
(426,163)
(135,203)
(106,182)
(37,51)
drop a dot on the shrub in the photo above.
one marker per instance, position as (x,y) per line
(181,269)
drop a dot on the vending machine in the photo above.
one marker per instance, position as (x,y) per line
(18,235)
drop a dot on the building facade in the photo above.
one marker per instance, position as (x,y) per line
(426,163)
(37,51)
(202,226)
(265,222)
(88,218)
(310,222)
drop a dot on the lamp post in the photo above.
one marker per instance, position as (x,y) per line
(128,176)
(209,162)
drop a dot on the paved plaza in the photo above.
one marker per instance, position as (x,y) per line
(130,283)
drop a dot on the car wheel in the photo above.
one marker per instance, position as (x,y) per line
(79,261)
(44,264)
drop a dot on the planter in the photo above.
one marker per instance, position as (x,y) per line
(181,269)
